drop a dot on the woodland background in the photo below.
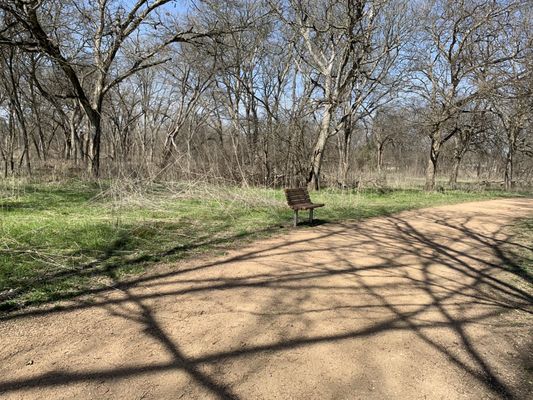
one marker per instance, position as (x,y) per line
(339,93)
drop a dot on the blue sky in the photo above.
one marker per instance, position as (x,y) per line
(180,6)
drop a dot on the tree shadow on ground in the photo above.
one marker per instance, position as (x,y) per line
(452,265)
(112,258)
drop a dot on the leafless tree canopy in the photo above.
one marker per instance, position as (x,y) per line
(268,92)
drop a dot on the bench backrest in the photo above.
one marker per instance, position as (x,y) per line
(296,197)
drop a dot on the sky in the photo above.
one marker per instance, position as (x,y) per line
(179,6)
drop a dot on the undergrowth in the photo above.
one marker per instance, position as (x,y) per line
(59,239)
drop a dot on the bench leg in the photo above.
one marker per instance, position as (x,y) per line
(295,217)
(311,216)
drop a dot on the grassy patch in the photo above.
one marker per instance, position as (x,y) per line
(58,240)
(520,250)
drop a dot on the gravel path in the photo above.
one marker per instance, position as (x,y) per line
(418,305)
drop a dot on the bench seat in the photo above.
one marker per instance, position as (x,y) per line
(307,206)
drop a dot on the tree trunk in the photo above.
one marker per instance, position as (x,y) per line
(508,178)
(344,160)
(381,148)
(11,148)
(455,170)
(458,155)
(95,123)
(431,169)
(313,180)
(72,139)
(26,151)
(345,163)
(25,140)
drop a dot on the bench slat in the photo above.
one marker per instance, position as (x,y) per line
(299,199)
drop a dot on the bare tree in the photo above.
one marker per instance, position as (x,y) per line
(448,59)
(270,92)
(512,94)
(470,128)
(111,33)
(338,41)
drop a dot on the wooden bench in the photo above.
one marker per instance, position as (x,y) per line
(298,199)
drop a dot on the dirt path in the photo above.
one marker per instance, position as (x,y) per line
(412,306)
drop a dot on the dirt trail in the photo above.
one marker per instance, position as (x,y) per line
(412,306)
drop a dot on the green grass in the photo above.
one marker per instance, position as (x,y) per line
(59,239)
(520,250)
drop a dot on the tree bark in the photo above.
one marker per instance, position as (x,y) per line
(431,169)
(344,159)
(313,180)
(381,148)
(508,178)
(458,155)
(455,170)
(95,123)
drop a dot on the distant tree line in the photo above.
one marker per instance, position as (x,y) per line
(268,92)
